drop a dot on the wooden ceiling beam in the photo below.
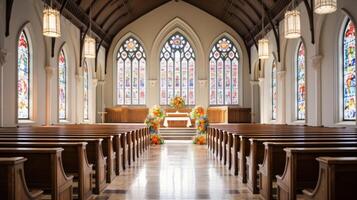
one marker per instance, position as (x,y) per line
(101,10)
(244,12)
(111,25)
(118,7)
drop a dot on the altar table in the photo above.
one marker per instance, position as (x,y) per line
(177,117)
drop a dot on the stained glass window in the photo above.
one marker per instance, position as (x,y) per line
(300,83)
(223,73)
(23,77)
(62,86)
(177,70)
(349,72)
(85,93)
(274,94)
(131,66)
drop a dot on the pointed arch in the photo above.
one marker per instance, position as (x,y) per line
(300,82)
(62,78)
(130,71)
(24,75)
(224,71)
(348,69)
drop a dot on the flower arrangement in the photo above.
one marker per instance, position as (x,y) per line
(197,112)
(177,102)
(157,112)
(202,124)
(156,139)
(199,139)
(153,123)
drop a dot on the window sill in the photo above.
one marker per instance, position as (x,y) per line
(25,122)
(298,122)
(345,124)
(64,122)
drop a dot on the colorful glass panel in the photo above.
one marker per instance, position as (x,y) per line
(85,94)
(349,72)
(177,70)
(224,67)
(131,75)
(62,86)
(274,94)
(23,77)
(300,83)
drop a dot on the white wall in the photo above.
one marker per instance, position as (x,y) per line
(322,67)
(200,28)
(29,14)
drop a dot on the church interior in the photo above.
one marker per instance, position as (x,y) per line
(178,99)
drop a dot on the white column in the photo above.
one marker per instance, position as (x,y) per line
(281,97)
(317,104)
(254,85)
(93,106)
(49,73)
(100,100)
(2,63)
(262,101)
(79,98)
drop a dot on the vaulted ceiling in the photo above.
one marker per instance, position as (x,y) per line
(110,16)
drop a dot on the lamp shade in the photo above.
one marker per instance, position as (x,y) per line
(51,23)
(263,48)
(325,6)
(292,24)
(89,47)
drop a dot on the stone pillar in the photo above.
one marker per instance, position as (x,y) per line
(93,105)
(79,98)
(317,104)
(2,63)
(281,118)
(254,85)
(49,74)
(100,100)
(262,101)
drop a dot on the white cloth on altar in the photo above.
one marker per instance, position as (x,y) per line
(188,124)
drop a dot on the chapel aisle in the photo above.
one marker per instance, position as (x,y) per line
(177,171)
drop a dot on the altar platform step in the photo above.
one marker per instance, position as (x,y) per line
(177,133)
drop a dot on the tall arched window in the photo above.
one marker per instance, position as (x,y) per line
(62,86)
(300,83)
(274,94)
(224,67)
(131,65)
(177,70)
(85,93)
(349,71)
(23,77)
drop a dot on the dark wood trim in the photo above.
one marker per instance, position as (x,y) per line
(8,12)
(310,13)
(96,55)
(81,43)
(53,44)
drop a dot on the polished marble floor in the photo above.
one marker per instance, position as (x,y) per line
(177,171)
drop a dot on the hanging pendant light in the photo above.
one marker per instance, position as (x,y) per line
(89,47)
(51,22)
(325,6)
(263,43)
(263,48)
(292,24)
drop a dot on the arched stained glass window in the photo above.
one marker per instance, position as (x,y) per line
(62,86)
(23,77)
(274,88)
(300,83)
(85,94)
(224,67)
(177,70)
(131,66)
(349,72)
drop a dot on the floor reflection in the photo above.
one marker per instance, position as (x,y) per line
(177,171)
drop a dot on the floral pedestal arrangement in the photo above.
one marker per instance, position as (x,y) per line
(177,103)
(152,121)
(198,113)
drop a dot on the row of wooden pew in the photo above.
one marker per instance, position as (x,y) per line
(66,162)
(289,162)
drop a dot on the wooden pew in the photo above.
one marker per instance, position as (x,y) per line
(274,161)
(337,179)
(12,180)
(74,158)
(44,170)
(301,168)
(94,154)
(256,153)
